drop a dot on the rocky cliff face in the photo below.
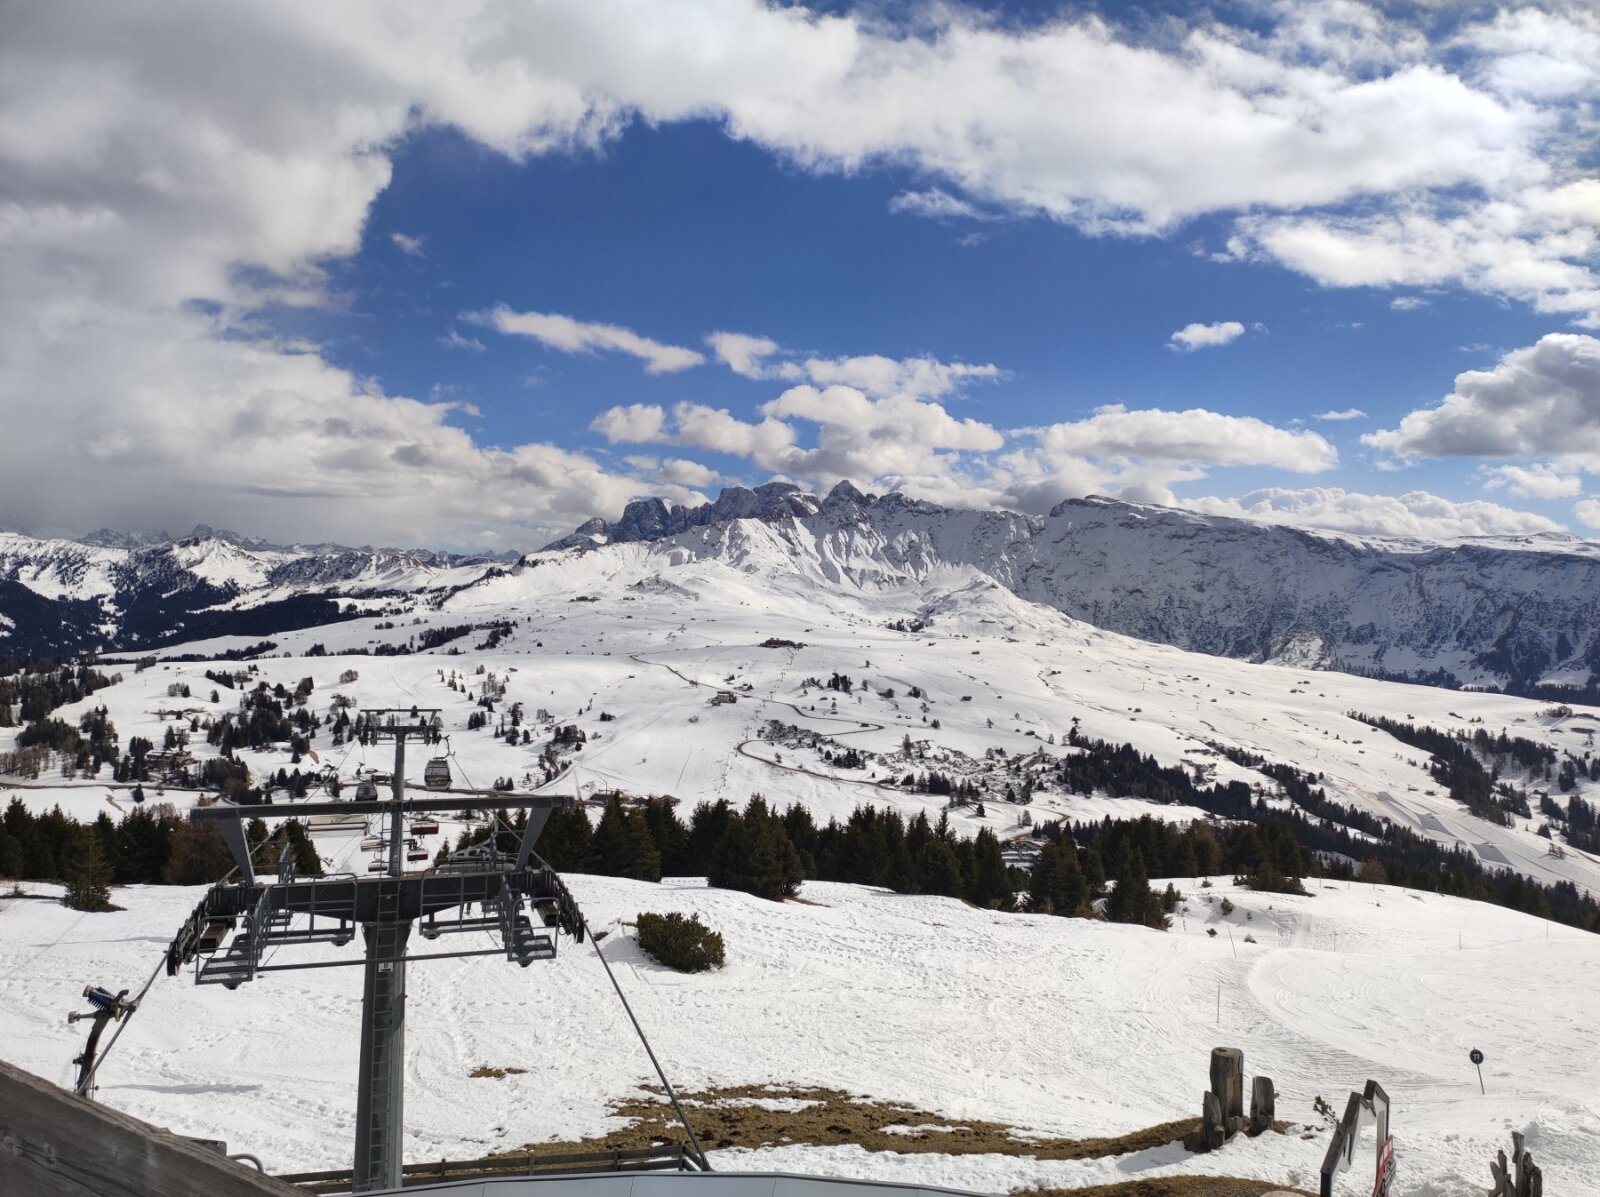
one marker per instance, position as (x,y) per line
(651,519)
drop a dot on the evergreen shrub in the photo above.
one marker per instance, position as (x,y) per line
(685,944)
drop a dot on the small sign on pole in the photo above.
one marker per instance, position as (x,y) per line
(1477,1062)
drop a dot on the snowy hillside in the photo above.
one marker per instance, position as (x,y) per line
(630,635)
(1055,1027)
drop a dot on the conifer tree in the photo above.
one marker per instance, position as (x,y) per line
(988,885)
(11,859)
(197,856)
(670,835)
(939,869)
(567,841)
(756,855)
(706,828)
(307,863)
(1133,901)
(1057,885)
(89,880)
(1043,881)
(623,845)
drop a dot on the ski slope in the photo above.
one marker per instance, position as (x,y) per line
(621,633)
(1054,1026)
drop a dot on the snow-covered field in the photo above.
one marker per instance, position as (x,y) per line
(1066,1027)
(1058,1026)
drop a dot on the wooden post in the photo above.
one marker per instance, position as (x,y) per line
(1518,1177)
(1227,1082)
(55,1144)
(1213,1133)
(1263,1104)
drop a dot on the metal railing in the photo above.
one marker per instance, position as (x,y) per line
(675,1156)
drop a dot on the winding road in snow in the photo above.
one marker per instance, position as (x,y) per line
(741,748)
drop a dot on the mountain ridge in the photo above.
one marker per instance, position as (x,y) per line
(1519,614)
(1514,612)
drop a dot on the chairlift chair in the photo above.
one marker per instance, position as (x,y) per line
(417,854)
(437,774)
(425,827)
(377,865)
(373,843)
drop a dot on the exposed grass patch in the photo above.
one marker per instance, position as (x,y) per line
(486,1070)
(732,1116)
(1172,1186)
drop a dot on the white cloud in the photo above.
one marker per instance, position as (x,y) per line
(920,377)
(1587,512)
(745,355)
(288,446)
(1532,245)
(886,441)
(1538,55)
(1348,413)
(410,246)
(1203,336)
(916,376)
(840,408)
(166,172)
(714,428)
(819,435)
(636,424)
(684,472)
(577,336)
(1542,400)
(936,204)
(455,340)
(1195,436)
(1407,303)
(1416,514)
(1536,482)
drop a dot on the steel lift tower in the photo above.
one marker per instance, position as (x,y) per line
(524,907)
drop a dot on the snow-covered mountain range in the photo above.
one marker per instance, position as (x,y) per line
(1494,612)
(111,590)
(1514,614)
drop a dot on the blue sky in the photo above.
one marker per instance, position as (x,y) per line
(466,276)
(679,231)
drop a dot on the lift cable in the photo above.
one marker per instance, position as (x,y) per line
(672,1094)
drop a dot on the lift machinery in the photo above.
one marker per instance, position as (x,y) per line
(478,890)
